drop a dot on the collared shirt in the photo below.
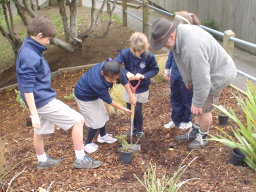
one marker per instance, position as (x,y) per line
(92,85)
(33,73)
(145,64)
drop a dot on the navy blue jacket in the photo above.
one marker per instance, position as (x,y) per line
(92,85)
(170,63)
(146,65)
(33,73)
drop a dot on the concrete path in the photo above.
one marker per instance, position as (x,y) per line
(244,61)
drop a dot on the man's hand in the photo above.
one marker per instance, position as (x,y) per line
(139,76)
(189,86)
(130,76)
(35,121)
(195,110)
(133,99)
(127,111)
(167,77)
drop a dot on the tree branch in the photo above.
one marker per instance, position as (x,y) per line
(20,12)
(64,19)
(63,45)
(10,15)
(28,9)
(73,18)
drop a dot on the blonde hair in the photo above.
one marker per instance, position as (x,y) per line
(139,42)
(187,18)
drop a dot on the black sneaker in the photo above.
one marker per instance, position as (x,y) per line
(133,133)
(87,163)
(139,134)
(189,136)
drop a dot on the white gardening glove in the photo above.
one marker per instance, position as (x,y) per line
(139,76)
(130,76)
(35,121)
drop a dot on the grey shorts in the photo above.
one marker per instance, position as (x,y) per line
(56,113)
(94,112)
(141,97)
(211,99)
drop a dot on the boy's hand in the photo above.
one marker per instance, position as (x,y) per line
(139,76)
(130,76)
(127,112)
(167,77)
(189,86)
(133,99)
(35,121)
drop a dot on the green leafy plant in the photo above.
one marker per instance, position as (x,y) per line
(71,96)
(244,135)
(125,146)
(161,60)
(211,24)
(152,183)
(20,101)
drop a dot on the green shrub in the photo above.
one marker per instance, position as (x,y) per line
(210,23)
(19,100)
(161,60)
(244,135)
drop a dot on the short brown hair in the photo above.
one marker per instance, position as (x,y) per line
(41,24)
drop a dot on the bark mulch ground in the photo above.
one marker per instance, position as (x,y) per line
(211,166)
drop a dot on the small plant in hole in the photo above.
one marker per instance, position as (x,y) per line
(71,96)
(125,146)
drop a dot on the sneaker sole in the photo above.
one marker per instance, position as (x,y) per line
(40,168)
(82,167)
(197,147)
(106,141)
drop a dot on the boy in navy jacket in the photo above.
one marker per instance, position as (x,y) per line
(139,65)
(91,91)
(34,82)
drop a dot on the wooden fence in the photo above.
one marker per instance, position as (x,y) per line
(237,15)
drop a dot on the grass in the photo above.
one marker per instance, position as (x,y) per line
(116,93)
(161,60)
(115,18)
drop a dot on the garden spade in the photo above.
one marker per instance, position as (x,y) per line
(135,147)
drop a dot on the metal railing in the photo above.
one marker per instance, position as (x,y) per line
(212,31)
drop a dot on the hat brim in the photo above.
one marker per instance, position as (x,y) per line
(156,45)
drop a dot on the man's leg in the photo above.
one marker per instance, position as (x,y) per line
(77,135)
(38,142)
(205,121)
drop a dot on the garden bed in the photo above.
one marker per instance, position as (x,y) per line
(211,167)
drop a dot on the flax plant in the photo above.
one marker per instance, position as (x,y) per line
(152,183)
(244,134)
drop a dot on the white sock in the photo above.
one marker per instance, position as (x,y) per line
(42,157)
(80,154)
(203,133)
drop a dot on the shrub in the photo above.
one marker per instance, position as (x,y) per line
(245,133)
(161,60)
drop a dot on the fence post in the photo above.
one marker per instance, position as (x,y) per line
(124,13)
(145,17)
(228,44)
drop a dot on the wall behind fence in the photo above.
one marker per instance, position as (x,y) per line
(237,15)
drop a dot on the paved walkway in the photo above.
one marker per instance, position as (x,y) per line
(244,61)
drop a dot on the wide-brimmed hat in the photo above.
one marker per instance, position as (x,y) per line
(161,31)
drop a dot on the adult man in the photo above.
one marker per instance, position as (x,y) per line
(204,65)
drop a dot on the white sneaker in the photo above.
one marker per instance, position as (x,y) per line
(106,139)
(169,125)
(185,126)
(90,147)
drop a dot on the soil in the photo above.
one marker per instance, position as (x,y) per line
(211,169)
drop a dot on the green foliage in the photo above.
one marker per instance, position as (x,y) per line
(152,183)
(210,23)
(244,135)
(115,18)
(20,101)
(71,96)
(125,146)
(59,25)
